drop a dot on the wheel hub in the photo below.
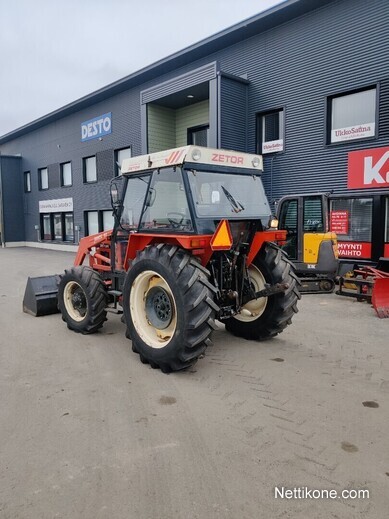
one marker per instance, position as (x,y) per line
(79,301)
(159,309)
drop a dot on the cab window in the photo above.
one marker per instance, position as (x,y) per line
(133,202)
(166,203)
(289,222)
(313,214)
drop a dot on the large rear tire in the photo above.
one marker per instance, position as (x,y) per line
(266,317)
(169,307)
(82,299)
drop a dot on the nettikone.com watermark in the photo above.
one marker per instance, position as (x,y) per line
(315,493)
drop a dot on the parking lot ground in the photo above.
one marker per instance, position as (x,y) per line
(87,431)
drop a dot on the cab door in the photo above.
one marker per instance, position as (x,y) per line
(289,216)
(304,217)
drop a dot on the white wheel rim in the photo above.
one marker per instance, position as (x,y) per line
(152,336)
(68,300)
(255,308)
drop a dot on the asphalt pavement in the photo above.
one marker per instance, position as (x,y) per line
(87,431)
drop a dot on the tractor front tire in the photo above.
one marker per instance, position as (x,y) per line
(82,299)
(169,307)
(266,317)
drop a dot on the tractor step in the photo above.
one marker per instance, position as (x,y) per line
(40,296)
(116,294)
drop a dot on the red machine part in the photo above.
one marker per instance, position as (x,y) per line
(98,247)
(380,293)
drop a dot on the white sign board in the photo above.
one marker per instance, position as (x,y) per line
(60,205)
(353,132)
(273,146)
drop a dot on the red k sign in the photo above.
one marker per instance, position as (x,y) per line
(368,168)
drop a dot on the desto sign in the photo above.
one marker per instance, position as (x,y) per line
(97,127)
(368,168)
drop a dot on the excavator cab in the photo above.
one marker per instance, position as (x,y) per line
(310,244)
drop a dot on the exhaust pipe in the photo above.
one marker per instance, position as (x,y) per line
(40,296)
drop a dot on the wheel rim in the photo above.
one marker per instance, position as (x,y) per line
(75,301)
(255,308)
(153,309)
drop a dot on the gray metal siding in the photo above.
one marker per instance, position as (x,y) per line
(105,164)
(12,192)
(54,174)
(187,80)
(60,142)
(233,114)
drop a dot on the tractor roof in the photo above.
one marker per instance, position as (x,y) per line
(193,155)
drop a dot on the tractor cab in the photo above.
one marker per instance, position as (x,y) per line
(191,193)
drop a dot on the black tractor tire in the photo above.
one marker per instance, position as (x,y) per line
(169,307)
(82,299)
(274,267)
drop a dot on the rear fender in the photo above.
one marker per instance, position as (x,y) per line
(262,237)
(198,245)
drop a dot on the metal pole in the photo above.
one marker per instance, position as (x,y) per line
(2,241)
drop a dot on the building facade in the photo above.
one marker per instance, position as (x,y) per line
(305,83)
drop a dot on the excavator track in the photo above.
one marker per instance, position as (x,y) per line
(316,285)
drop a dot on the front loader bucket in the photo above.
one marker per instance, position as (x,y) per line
(380,297)
(40,297)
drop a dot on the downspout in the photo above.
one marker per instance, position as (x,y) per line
(2,241)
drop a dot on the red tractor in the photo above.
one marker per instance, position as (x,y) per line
(192,243)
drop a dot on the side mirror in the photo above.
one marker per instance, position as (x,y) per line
(150,199)
(114,191)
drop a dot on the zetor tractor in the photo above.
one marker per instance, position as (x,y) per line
(190,245)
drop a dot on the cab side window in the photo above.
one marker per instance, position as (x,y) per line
(289,222)
(166,204)
(313,214)
(133,202)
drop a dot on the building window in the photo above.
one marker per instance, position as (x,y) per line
(356,215)
(46,227)
(27,182)
(120,155)
(43,178)
(98,221)
(108,220)
(57,221)
(89,167)
(199,136)
(271,131)
(352,116)
(92,222)
(69,226)
(57,226)
(66,174)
